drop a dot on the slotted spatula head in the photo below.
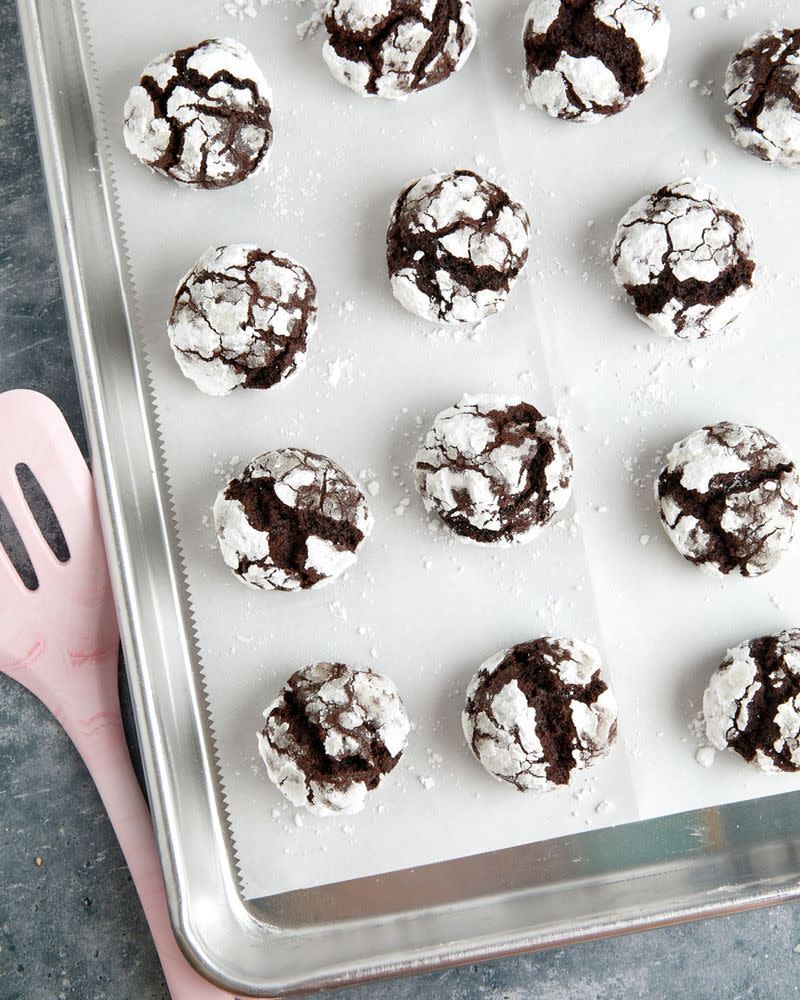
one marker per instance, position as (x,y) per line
(68,620)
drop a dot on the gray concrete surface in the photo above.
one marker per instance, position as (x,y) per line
(70,925)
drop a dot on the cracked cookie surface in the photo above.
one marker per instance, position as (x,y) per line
(242,317)
(201,115)
(685,261)
(494,469)
(538,712)
(292,520)
(762,87)
(752,703)
(332,735)
(393,48)
(729,496)
(588,59)
(455,245)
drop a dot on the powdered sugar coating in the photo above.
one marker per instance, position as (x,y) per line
(331,736)
(292,520)
(455,246)
(752,703)
(685,260)
(494,469)
(393,48)
(538,712)
(242,317)
(762,87)
(587,59)
(201,115)
(729,497)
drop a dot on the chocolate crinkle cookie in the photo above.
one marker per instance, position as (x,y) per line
(762,87)
(588,59)
(685,261)
(242,317)
(292,520)
(539,712)
(729,496)
(331,736)
(494,469)
(393,48)
(752,703)
(455,246)
(201,115)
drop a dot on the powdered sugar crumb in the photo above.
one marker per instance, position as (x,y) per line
(705,756)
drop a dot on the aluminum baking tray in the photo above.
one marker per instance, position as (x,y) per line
(589,885)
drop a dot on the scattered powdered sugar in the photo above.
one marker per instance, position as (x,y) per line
(705,756)
(338,369)
(241,10)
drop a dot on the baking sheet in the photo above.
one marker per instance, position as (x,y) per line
(424,609)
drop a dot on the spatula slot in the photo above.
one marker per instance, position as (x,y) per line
(42,511)
(15,549)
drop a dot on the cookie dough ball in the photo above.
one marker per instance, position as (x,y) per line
(393,48)
(242,317)
(455,246)
(728,497)
(201,115)
(539,712)
(588,59)
(752,704)
(494,469)
(292,520)
(685,261)
(762,87)
(331,736)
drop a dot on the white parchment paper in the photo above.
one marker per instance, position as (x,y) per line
(422,608)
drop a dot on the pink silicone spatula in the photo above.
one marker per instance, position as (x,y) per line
(61,642)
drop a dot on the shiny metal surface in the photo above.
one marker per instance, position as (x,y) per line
(605,882)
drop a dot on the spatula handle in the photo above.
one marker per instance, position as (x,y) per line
(101,743)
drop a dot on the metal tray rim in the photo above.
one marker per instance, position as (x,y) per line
(233,942)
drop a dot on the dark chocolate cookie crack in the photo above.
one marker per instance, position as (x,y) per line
(404,244)
(261,377)
(777,687)
(651,298)
(233,119)
(534,666)
(366,47)
(726,550)
(577,32)
(289,528)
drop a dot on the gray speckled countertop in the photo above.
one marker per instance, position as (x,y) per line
(70,924)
